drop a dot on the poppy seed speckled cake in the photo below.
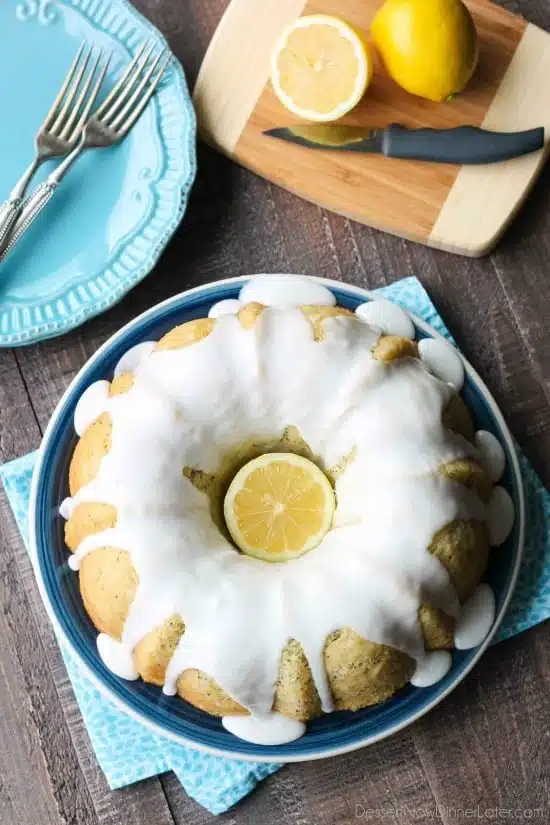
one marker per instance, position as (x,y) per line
(391,580)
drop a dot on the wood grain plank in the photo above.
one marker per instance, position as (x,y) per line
(19,431)
(23,756)
(32,720)
(388,777)
(32,717)
(486,746)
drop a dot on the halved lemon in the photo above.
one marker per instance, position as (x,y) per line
(279,506)
(320,68)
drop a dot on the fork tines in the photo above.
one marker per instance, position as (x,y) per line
(72,106)
(133,90)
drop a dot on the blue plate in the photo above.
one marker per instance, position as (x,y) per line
(332,734)
(114,213)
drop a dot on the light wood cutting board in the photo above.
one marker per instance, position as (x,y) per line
(459,208)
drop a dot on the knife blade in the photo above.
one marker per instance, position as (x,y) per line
(461,144)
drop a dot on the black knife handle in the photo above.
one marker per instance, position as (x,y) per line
(463,144)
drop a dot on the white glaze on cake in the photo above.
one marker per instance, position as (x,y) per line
(116,657)
(443,361)
(491,454)
(66,508)
(476,618)
(241,610)
(269,729)
(90,405)
(286,290)
(230,306)
(431,668)
(132,358)
(93,402)
(387,317)
(392,492)
(500,516)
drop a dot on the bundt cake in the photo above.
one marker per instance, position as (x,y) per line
(374,605)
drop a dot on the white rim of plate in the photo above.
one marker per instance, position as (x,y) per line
(356,292)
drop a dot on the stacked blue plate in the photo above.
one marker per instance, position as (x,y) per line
(115,212)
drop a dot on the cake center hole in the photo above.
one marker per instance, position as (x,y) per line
(272,505)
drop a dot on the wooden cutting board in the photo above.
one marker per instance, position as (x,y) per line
(461,209)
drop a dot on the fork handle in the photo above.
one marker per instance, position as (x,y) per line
(32,207)
(11,208)
(8,215)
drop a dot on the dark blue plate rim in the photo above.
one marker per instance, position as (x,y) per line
(345,731)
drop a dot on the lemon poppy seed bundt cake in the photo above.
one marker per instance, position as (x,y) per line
(279,512)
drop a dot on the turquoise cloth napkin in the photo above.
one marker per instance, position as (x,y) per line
(127,751)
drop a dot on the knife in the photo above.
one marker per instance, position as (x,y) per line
(462,144)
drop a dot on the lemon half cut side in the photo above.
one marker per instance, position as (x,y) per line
(279,506)
(320,68)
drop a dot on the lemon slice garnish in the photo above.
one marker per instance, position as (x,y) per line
(279,506)
(320,68)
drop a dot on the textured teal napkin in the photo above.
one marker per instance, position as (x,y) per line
(127,751)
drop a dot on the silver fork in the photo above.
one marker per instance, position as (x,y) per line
(108,125)
(60,130)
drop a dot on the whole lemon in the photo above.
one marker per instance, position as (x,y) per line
(429,47)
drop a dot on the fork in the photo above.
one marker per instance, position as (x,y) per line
(107,126)
(60,130)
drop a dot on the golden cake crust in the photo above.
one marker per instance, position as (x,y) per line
(108,584)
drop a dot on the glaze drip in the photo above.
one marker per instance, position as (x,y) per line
(443,361)
(387,317)
(270,729)
(476,618)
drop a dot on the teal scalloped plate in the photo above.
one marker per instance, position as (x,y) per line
(115,212)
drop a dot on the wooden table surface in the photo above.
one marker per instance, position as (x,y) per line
(483,754)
